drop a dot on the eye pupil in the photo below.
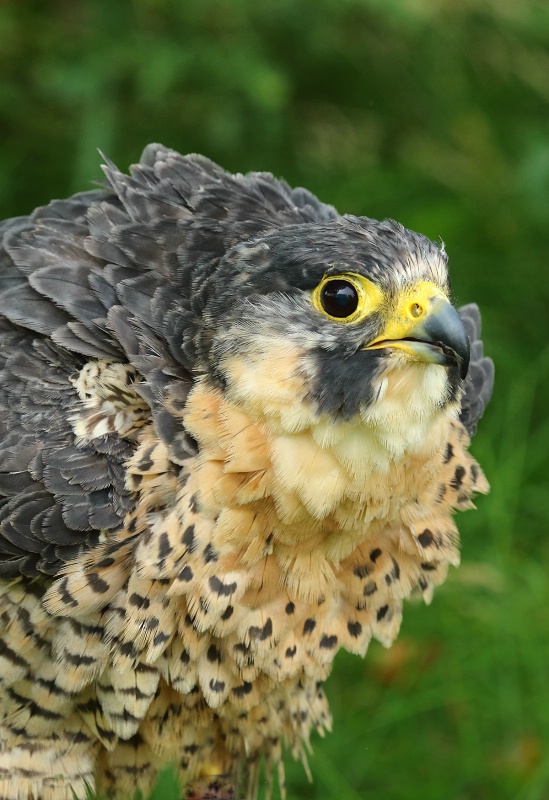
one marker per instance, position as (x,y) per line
(339,298)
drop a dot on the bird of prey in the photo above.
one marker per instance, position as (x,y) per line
(233,433)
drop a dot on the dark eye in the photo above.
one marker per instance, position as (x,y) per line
(346,298)
(339,298)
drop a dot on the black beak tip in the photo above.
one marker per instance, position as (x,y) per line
(461,348)
(463,362)
(459,351)
(445,327)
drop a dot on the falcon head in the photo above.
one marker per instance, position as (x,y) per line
(348,319)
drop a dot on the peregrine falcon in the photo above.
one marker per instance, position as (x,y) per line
(234,430)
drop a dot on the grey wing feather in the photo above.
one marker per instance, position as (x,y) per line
(56,494)
(24,306)
(479,382)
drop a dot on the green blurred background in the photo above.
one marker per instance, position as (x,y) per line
(434,112)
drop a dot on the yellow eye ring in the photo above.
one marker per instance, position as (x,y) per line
(346,297)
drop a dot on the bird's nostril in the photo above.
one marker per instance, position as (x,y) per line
(416,310)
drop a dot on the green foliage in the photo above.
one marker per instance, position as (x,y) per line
(432,112)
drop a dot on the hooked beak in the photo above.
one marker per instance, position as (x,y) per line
(438,337)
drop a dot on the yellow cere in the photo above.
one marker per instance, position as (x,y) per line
(369,297)
(411,306)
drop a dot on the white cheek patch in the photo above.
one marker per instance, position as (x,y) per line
(268,383)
